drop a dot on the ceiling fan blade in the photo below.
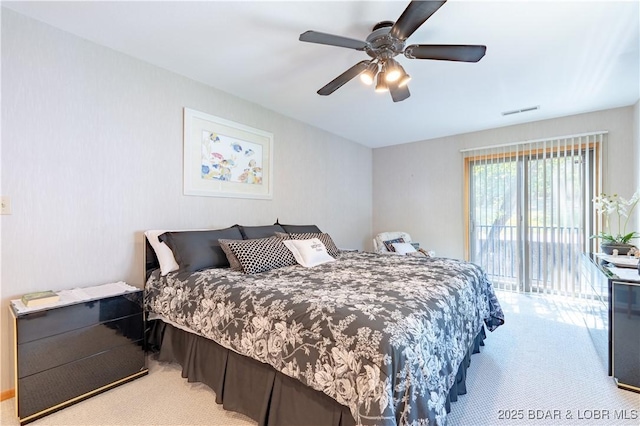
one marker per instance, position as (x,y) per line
(332,40)
(340,80)
(399,93)
(413,16)
(446,52)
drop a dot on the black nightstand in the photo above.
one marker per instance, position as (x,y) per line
(76,348)
(612,315)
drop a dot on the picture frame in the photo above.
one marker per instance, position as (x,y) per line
(223,158)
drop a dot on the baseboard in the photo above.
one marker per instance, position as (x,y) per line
(8,394)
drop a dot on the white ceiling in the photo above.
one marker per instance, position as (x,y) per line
(568,57)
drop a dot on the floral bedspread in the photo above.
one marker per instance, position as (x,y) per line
(382,335)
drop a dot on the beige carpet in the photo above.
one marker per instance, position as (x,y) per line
(541,363)
(541,368)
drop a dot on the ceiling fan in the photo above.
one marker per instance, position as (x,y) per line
(387,41)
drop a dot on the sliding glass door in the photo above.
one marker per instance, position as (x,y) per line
(494,220)
(529,212)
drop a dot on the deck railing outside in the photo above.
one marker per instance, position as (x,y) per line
(555,253)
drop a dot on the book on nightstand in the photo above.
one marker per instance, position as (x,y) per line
(40,298)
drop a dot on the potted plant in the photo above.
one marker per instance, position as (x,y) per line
(617,211)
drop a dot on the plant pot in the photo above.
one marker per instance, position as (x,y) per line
(623,249)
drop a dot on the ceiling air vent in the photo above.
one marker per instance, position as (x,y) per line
(518,111)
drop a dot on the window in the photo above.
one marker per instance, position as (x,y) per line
(529,211)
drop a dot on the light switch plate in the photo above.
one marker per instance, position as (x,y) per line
(6,205)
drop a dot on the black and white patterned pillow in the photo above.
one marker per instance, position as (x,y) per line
(389,243)
(234,263)
(261,254)
(325,238)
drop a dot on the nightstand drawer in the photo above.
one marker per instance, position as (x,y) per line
(40,355)
(36,325)
(84,377)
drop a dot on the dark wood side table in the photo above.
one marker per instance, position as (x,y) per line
(89,342)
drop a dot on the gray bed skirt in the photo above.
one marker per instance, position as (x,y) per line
(257,390)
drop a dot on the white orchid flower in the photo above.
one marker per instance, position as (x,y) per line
(617,211)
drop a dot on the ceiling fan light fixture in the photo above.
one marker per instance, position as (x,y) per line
(369,74)
(406,78)
(388,40)
(393,70)
(381,85)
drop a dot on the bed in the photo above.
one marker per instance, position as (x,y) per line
(361,339)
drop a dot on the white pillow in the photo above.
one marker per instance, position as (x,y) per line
(309,253)
(403,248)
(164,254)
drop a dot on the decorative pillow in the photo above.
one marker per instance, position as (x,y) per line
(262,254)
(426,253)
(403,248)
(309,253)
(389,243)
(325,238)
(254,232)
(197,250)
(164,254)
(299,229)
(302,229)
(234,263)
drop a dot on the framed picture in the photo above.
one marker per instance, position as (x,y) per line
(226,159)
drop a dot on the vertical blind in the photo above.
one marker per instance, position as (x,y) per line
(529,212)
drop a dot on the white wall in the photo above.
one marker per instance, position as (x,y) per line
(418,187)
(92,156)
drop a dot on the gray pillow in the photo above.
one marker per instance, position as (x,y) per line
(254,232)
(197,250)
(234,263)
(301,229)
